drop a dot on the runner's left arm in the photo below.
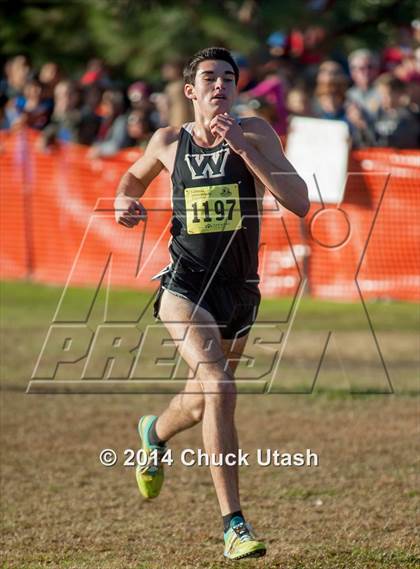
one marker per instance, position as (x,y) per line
(261,149)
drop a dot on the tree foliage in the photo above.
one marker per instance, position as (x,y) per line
(137,36)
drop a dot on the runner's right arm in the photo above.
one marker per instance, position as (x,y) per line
(133,184)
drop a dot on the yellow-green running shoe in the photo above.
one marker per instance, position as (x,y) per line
(150,476)
(240,542)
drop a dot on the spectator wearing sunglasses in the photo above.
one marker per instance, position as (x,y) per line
(364,68)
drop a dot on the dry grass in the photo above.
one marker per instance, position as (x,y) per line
(61,508)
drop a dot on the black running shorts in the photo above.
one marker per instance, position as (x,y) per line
(233,305)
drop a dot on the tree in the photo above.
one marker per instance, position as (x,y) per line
(137,36)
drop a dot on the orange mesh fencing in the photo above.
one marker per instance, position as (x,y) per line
(369,245)
(15,250)
(58,226)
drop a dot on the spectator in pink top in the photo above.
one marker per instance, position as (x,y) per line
(271,89)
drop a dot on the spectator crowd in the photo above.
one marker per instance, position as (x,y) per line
(376,94)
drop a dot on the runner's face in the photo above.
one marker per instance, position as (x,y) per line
(215,88)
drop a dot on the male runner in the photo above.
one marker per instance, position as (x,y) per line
(208,296)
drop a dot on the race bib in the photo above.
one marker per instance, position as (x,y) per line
(210,209)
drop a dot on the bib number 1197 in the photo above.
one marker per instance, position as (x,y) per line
(212,209)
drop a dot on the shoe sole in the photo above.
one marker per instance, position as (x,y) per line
(145,496)
(252,555)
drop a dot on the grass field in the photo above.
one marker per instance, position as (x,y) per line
(357,509)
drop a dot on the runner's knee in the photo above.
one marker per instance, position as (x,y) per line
(220,389)
(193,405)
(197,410)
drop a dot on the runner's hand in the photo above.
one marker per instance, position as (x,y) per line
(128,211)
(226,127)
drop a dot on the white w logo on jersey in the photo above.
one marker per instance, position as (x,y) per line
(211,165)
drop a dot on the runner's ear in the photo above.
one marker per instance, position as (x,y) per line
(189,91)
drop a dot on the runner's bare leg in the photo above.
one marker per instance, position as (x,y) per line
(186,409)
(203,353)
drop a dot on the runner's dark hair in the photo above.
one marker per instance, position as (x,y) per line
(218,53)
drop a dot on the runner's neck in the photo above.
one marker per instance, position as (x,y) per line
(201,133)
(205,139)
